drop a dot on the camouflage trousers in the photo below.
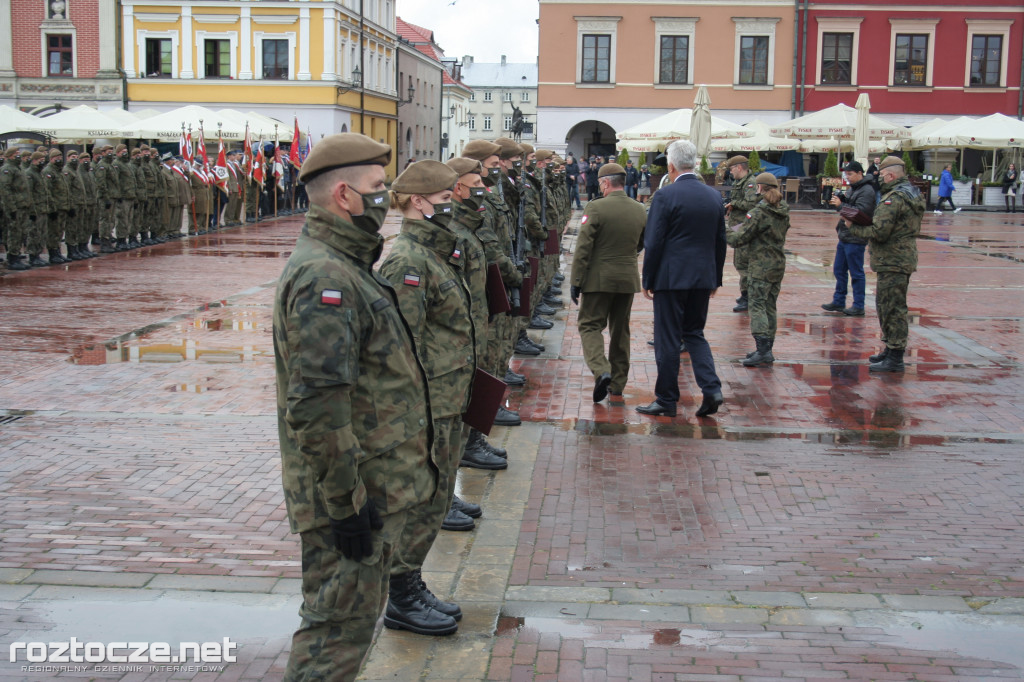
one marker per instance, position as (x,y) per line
(105,219)
(123,218)
(342,600)
(598,310)
(740,258)
(55,227)
(15,232)
(891,304)
(35,234)
(423,522)
(761,297)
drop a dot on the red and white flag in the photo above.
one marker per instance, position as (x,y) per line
(201,150)
(247,153)
(278,164)
(293,153)
(185,146)
(260,164)
(220,170)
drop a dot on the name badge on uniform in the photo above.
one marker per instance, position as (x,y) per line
(412,280)
(330,297)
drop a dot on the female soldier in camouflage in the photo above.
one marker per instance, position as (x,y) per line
(764,230)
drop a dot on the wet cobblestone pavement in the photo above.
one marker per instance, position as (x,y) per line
(824,524)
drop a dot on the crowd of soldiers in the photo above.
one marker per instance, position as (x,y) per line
(57,207)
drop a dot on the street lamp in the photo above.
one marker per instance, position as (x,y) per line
(357,82)
(412,91)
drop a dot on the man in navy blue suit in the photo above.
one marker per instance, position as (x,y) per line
(684,257)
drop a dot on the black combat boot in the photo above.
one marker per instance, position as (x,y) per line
(456,520)
(473,511)
(73,253)
(538,322)
(446,607)
(544,309)
(513,378)
(878,357)
(85,251)
(55,257)
(107,246)
(741,304)
(14,263)
(408,611)
(763,354)
(524,347)
(476,436)
(36,262)
(121,244)
(892,362)
(476,456)
(506,417)
(552,301)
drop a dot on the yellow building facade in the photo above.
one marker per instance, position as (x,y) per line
(332,64)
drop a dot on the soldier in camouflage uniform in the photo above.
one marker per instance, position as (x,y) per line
(741,200)
(106,178)
(763,233)
(353,416)
(60,200)
(468,222)
(40,206)
(14,190)
(141,206)
(426,267)
(76,202)
(89,210)
(892,242)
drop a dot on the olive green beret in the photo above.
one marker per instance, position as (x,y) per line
(120,148)
(424,177)
(736,160)
(481,150)
(544,154)
(767,179)
(464,166)
(890,161)
(144,147)
(611,169)
(72,152)
(84,156)
(54,153)
(527,148)
(38,155)
(508,148)
(11,151)
(342,151)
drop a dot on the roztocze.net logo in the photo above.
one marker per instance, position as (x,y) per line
(74,651)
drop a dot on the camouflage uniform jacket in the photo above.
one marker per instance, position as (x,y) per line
(166,186)
(14,188)
(764,230)
(150,168)
(106,181)
(352,407)
(88,179)
(892,235)
(141,187)
(125,179)
(501,221)
(38,191)
(466,224)
(743,197)
(57,186)
(534,227)
(76,188)
(426,267)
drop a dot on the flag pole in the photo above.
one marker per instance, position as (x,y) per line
(277,152)
(244,180)
(191,170)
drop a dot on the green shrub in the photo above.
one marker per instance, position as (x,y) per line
(831,165)
(754,163)
(623,158)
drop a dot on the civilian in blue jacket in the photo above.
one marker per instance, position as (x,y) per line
(685,255)
(946,189)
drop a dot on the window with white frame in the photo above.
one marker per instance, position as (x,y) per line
(60,56)
(911,52)
(595,50)
(754,61)
(525,96)
(472,122)
(507,97)
(487,122)
(472,97)
(507,126)
(674,48)
(276,56)
(838,50)
(158,58)
(988,43)
(487,96)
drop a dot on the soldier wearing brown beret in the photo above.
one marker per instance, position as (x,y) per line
(352,408)
(743,198)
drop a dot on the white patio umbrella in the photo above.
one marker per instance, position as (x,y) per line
(84,123)
(761,141)
(259,124)
(700,121)
(15,121)
(839,121)
(839,145)
(167,127)
(659,132)
(995,131)
(860,135)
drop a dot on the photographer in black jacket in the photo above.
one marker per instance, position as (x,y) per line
(849,260)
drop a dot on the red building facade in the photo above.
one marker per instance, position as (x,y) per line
(917,60)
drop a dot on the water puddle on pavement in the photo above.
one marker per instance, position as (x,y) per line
(188,350)
(596,636)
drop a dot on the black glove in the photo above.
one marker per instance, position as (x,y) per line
(523,268)
(72,213)
(352,535)
(32,218)
(574,294)
(52,216)
(107,205)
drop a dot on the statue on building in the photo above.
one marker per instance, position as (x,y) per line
(517,123)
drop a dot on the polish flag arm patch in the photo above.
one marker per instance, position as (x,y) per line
(457,254)
(411,280)
(583,220)
(330,297)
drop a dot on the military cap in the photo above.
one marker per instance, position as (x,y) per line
(11,151)
(481,150)
(425,177)
(166,156)
(84,156)
(120,148)
(544,154)
(767,179)
(736,160)
(508,148)
(557,159)
(135,152)
(144,147)
(72,152)
(27,153)
(611,169)
(527,148)
(890,161)
(344,150)
(43,148)
(464,166)
(38,155)
(54,153)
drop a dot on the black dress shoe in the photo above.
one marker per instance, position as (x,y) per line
(656,409)
(854,312)
(601,387)
(832,307)
(513,379)
(506,417)
(709,405)
(539,322)
(471,510)
(456,520)
(524,347)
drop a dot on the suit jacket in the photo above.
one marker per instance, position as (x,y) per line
(611,236)
(685,237)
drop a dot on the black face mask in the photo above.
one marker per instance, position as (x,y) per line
(476,198)
(442,214)
(493,177)
(375,210)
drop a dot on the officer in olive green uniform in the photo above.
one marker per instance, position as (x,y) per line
(741,200)
(141,215)
(604,270)
(106,178)
(199,215)
(14,189)
(763,234)
(60,204)
(40,207)
(76,202)
(353,416)
(426,268)
(892,243)
(90,229)
(469,214)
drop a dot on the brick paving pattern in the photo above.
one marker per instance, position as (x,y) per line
(138,445)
